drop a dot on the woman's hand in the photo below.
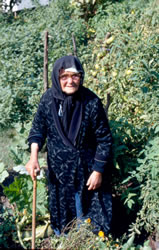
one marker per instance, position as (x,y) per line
(32,166)
(94,180)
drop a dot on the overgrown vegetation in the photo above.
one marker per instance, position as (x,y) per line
(118,44)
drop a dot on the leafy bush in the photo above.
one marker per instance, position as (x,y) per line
(20,191)
(7,228)
(85,8)
(147,177)
(21,57)
(124,63)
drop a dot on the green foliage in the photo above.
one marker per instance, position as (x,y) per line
(86,8)
(7,228)
(126,66)
(20,192)
(147,177)
(124,63)
(19,149)
(6,140)
(21,57)
(20,195)
(129,243)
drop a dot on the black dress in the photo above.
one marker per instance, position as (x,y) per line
(70,165)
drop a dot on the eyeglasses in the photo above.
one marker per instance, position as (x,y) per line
(74,77)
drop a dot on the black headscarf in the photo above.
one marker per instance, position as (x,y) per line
(68,107)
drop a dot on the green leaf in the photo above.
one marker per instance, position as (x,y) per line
(3,176)
(130,203)
(129,243)
(1,167)
(156,129)
(101,245)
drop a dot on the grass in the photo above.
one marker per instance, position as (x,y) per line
(79,237)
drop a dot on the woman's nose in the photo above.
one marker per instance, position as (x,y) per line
(69,80)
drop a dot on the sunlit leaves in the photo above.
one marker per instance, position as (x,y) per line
(3,172)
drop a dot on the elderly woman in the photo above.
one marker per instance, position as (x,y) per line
(72,119)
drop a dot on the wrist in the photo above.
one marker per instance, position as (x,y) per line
(97,173)
(33,159)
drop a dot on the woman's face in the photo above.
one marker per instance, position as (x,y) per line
(69,81)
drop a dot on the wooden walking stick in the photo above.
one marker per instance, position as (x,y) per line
(34,213)
(74,45)
(46,61)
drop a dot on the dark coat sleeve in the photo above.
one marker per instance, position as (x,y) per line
(103,137)
(38,131)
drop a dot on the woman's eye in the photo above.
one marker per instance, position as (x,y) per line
(75,77)
(66,77)
(63,77)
